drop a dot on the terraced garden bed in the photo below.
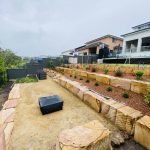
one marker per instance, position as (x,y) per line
(135,100)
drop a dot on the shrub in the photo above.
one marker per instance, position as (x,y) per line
(87,81)
(96,83)
(109,89)
(81,78)
(125,95)
(147,96)
(75,77)
(93,69)
(139,74)
(106,71)
(118,73)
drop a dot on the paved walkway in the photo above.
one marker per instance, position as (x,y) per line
(32,131)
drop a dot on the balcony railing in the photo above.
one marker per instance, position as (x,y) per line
(131,50)
(145,48)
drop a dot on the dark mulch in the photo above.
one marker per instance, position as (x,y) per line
(4,92)
(135,100)
(128,76)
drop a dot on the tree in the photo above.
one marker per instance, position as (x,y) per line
(11,60)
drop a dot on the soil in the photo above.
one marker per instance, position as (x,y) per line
(128,76)
(4,91)
(135,100)
(125,75)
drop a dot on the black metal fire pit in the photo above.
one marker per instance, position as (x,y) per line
(50,104)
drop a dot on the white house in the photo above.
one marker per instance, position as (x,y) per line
(137,43)
(68,52)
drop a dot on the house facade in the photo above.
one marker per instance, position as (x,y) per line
(94,47)
(137,43)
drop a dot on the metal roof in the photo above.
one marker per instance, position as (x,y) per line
(108,35)
(141,25)
(138,31)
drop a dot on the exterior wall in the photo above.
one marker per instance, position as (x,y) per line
(109,42)
(138,36)
(83,51)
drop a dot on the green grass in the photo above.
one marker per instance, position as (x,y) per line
(27,79)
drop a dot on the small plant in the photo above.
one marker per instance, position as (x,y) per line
(139,74)
(75,77)
(118,73)
(147,96)
(87,81)
(93,69)
(70,75)
(96,83)
(81,78)
(106,71)
(125,95)
(87,68)
(109,89)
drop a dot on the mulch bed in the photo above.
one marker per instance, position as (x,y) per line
(135,100)
(128,76)
(125,75)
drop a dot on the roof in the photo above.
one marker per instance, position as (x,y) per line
(106,36)
(71,50)
(90,45)
(138,31)
(141,25)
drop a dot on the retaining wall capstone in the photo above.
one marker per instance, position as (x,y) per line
(142,131)
(7,116)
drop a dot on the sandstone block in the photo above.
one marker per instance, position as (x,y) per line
(82,90)
(93,100)
(8,132)
(113,111)
(139,86)
(105,106)
(91,136)
(126,118)
(103,78)
(91,76)
(6,115)
(122,83)
(142,131)
(2,141)
(10,104)
(83,74)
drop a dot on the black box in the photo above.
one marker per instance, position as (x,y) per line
(50,104)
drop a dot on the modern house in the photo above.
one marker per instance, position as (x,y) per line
(137,43)
(68,53)
(96,46)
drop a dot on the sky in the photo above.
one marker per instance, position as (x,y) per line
(48,27)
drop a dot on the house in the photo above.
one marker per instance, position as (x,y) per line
(102,46)
(68,53)
(137,43)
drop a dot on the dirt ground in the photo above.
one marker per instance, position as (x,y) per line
(33,131)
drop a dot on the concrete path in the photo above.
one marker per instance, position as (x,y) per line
(33,131)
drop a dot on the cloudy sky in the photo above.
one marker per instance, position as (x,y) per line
(48,27)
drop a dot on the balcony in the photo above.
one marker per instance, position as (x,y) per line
(131,50)
(145,48)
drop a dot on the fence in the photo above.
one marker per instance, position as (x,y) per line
(20,73)
(88,59)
